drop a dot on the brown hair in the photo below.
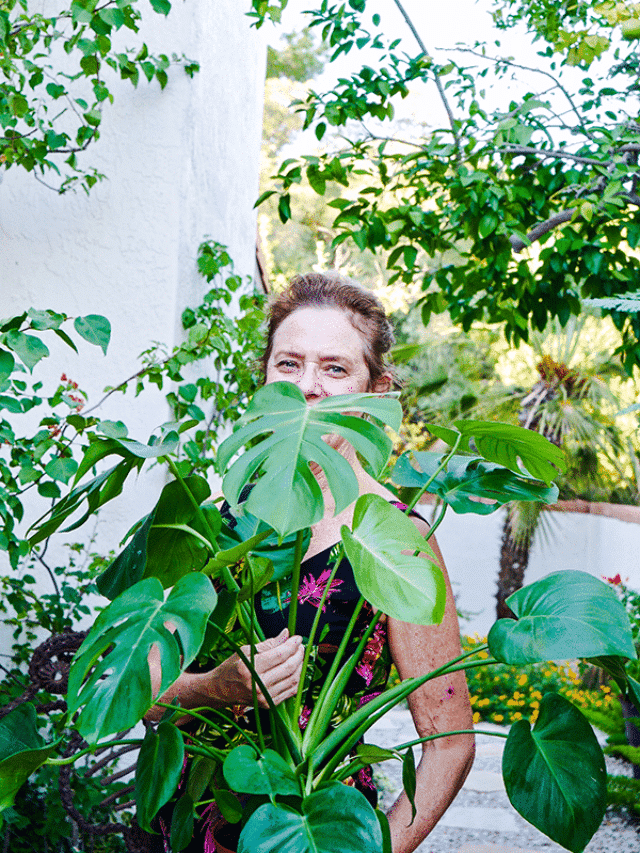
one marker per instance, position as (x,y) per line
(331,290)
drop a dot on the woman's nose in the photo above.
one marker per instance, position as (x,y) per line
(309,382)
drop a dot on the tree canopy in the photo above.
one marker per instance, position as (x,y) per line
(513,214)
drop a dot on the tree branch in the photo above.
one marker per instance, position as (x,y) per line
(558,84)
(546,154)
(441,92)
(542,228)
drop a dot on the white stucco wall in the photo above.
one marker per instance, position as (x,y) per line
(470,545)
(181,165)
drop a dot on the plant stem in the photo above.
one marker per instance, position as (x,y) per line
(295,583)
(195,713)
(334,668)
(447,734)
(441,467)
(60,762)
(201,516)
(290,704)
(312,634)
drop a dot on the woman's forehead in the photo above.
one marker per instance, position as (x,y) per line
(326,331)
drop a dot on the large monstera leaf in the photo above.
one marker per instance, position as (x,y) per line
(334,818)
(406,587)
(516,448)
(564,615)
(555,774)
(467,478)
(287,495)
(109,681)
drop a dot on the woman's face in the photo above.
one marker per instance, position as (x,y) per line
(320,351)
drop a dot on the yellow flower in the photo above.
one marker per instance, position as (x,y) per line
(517,715)
(473,700)
(483,655)
(476,717)
(498,718)
(523,679)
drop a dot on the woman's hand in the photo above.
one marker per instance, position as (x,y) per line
(278,662)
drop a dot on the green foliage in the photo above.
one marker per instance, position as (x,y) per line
(293,775)
(51,110)
(287,493)
(403,586)
(581,619)
(623,791)
(561,761)
(22,751)
(115,693)
(334,812)
(495,215)
(465,479)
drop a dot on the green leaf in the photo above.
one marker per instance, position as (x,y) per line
(61,468)
(43,320)
(248,527)
(227,802)
(28,348)
(555,775)
(409,779)
(162,7)
(158,771)
(516,448)
(335,812)
(401,585)
(128,567)
(467,479)
(95,329)
(564,615)
(22,751)
(488,223)
(109,681)
(174,551)
(386,831)
(7,363)
(166,552)
(250,772)
(287,496)
(182,822)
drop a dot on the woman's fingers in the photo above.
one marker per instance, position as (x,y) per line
(281,680)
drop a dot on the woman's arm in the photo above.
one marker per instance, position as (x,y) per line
(278,662)
(440,705)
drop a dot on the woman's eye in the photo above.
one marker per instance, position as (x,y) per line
(286,364)
(336,370)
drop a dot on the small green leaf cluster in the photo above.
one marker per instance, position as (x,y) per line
(50,111)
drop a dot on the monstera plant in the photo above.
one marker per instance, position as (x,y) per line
(185,565)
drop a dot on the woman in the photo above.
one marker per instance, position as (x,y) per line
(329,337)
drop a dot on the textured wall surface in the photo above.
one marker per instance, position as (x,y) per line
(181,165)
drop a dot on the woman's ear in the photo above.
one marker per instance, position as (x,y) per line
(384,384)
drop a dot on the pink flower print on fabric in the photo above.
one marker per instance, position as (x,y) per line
(311,590)
(365,777)
(372,652)
(303,719)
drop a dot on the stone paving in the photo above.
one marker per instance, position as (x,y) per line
(481,819)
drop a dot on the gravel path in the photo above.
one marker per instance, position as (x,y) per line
(481,819)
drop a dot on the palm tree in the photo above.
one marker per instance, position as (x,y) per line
(572,406)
